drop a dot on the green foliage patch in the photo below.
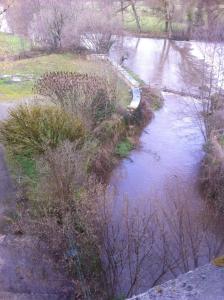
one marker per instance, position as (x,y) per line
(123,148)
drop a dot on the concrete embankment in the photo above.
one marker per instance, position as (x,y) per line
(204,283)
(123,74)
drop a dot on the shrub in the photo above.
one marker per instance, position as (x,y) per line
(212,175)
(88,96)
(124,148)
(30,130)
(111,130)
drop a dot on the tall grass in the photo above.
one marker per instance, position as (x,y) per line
(30,130)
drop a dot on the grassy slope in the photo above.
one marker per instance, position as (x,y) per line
(35,67)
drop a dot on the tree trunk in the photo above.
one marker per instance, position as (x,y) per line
(169,9)
(136,15)
(199,20)
(122,12)
(166,26)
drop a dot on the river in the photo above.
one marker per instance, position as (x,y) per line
(171,145)
(164,169)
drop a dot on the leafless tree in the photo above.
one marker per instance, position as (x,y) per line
(48,24)
(97,30)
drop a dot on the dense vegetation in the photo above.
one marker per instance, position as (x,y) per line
(63,145)
(60,147)
(212,176)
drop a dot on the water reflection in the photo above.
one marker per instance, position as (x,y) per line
(161,62)
(170,148)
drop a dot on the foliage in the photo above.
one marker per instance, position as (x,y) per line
(30,130)
(111,130)
(123,148)
(27,165)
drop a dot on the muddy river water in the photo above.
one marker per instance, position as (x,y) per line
(171,146)
(165,168)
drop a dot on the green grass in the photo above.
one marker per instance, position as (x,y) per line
(12,44)
(28,166)
(123,148)
(135,76)
(149,22)
(37,66)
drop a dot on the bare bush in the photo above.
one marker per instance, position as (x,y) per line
(97,30)
(48,23)
(210,113)
(114,253)
(75,215)
(86,96)
(192,238)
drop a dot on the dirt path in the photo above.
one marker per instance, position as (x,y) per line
(26,272)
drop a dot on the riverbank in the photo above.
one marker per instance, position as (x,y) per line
(179,36)
(163,168)
(115,137)
(212,170)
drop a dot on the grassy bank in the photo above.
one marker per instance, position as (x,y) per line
(29,70)
(212,175)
